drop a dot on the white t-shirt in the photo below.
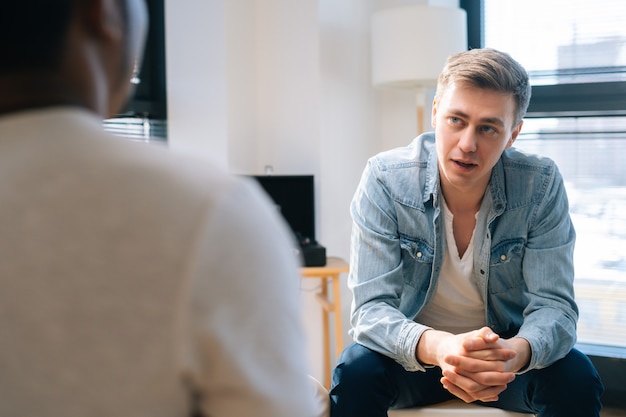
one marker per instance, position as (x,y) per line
(457,306)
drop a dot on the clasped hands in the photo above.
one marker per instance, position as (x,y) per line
(476,365)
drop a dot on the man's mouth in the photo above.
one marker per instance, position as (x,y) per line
(464,164)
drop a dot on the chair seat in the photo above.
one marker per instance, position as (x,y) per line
(453,408)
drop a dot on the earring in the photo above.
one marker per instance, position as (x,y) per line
(134,79)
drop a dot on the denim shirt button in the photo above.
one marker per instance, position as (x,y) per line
(419,254)
(503,257)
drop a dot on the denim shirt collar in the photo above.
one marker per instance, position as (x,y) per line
(497,188)
(431,188)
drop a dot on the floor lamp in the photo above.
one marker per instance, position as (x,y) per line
(411,42)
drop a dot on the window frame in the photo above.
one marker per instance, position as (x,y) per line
(572,100)
(578,100)
(558,100)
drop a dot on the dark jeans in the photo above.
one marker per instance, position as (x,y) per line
(367,384)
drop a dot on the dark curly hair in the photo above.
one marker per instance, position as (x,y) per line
(32,33)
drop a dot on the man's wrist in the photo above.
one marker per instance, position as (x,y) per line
(524,352)
(427,347)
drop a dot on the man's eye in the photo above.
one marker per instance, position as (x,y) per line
(487,129)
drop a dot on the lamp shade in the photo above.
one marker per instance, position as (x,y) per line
(410,44)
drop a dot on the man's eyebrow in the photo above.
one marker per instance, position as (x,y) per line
(489,120)
(493,120)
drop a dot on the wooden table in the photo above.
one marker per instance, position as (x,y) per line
(330,273)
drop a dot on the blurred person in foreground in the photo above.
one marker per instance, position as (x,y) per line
(462,264)
(134,282)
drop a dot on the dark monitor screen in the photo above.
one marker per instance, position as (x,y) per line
(149,98)
(294,198)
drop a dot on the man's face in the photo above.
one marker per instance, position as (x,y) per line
(473,126)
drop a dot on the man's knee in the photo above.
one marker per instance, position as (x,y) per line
(359,365)
(583,375)
(576,372)
(571,382)
(361,383)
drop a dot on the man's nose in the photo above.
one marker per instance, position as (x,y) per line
(467,141)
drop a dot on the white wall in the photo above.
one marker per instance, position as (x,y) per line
(349,121)
(242,72)
(197,77)
(284,83)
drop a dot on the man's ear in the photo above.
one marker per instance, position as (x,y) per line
(103,18)
(514,134)
(433,115)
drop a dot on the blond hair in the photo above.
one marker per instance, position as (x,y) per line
(489,69)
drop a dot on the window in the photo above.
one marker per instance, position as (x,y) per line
(143,129)
(575,53)
(561,41)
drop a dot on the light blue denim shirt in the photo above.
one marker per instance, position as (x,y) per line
(523,264)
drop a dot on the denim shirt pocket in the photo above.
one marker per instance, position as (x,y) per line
(505,266)
(418,257)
